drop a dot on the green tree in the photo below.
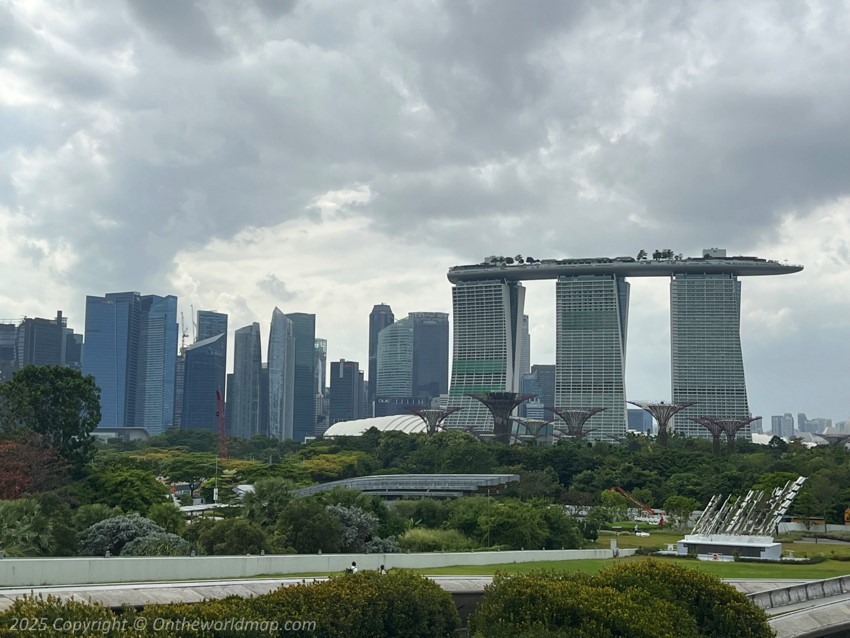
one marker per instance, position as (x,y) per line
(679,509)
(513,523)
(308,528)
(87,515)
(157,544)
(268,500)
(168,517)
(112,534)
(56,402)
(24,529)
(358,526)
(129,489)
(232,536)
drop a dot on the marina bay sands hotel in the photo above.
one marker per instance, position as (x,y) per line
(592,310)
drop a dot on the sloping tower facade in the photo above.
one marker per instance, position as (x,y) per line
(487,347)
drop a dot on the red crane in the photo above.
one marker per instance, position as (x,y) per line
(222,431)
(643,506)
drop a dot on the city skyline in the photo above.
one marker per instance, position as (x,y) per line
(242,158)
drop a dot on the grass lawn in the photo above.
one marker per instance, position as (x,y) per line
(661,538)
(827,569)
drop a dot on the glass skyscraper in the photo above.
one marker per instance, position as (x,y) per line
(304,412)
(413,362)
(487,346)
(157,363)
(707,363)
(110,354)
(590,348)
(204,373)
(380,317)
(131,350)
(211,323)
(246,395)
(281,366)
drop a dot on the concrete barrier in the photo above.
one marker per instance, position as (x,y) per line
(33,572)
(784,596)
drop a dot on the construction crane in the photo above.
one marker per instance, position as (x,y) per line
(647,510)
(222,430)
(183,334)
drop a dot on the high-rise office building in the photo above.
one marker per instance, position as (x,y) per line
(41,341)
(204,373)
(590,346)
(179,382)
(380,317)
(430,353)
(486,348)
(73,349)
(525,355)
(321,390)
(639,421)
(281,367)
(346,391)
(707,364)
(110,354)
(8,353)
(247,383)
(541,383)
(211,323)
(158,335)
(782,426)
(304,413)
(413,362)
(131,350)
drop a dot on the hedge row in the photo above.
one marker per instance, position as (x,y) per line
(364,605)
(639,600)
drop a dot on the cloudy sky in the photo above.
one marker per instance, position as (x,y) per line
(327,156)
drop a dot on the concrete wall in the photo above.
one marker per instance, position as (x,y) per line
(801,593)
(32,572)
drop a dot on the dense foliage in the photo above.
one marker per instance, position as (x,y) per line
(365,605)
(649,598)
(43,474)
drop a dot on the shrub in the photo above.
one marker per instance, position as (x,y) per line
(39,615)
(368,604)
(720,610)
(113,533)
(157,544)
(421,539)
(546,604)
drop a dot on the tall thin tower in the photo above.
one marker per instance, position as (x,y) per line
(380,317)
(281,366)
(590,348)
(487,347)
(707,363)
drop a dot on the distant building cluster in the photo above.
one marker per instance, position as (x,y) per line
(784,426)
(286,388)
(150,377)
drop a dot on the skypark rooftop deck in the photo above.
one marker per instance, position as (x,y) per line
(620,266)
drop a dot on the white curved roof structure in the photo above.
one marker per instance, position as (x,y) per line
(408,423)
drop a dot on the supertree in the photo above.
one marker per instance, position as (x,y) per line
(729,427)
(533,428)
(501,405)
(433,417)
(834,439)
(662,413)
(712,427)
(574,420)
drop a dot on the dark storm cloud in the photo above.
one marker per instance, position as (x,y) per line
(183,25)
(132,132)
